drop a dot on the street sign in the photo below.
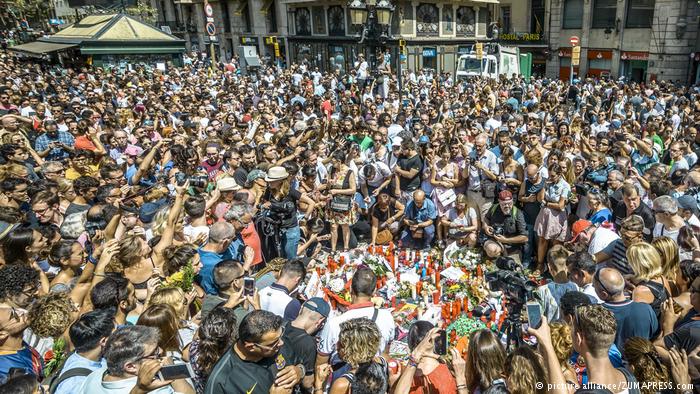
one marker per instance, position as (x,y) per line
(574,41)
(208,10)
(479,51)
(211,29)
(210,19)
(576,55)
(429,52)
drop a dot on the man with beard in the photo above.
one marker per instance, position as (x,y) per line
(248,163)
(89,334)
(54,144)
(213,162)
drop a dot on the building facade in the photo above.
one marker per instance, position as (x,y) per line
(636,39)
(321,33)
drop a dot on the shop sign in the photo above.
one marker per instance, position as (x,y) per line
(429,52)
(249,40)
(521,37)
(576,57)
(626,55)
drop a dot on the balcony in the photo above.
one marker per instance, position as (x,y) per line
(178,27)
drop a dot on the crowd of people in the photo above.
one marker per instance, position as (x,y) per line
(151,218)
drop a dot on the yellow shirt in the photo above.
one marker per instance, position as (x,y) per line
(72,174)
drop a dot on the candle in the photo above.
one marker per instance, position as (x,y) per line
(393,302)
(414,291)
(436,297)
(419,287)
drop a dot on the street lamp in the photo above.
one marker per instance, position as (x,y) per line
(373,19)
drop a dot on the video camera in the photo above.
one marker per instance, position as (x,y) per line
(510,280)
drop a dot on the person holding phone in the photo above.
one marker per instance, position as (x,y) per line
(425,372)
(133,362)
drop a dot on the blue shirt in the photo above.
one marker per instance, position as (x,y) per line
(72,385)
(26,358)
(426,212)
(206,274)
(43,142)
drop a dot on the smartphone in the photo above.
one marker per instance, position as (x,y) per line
(176,371)
(440,343)
(248,286)
(534,314)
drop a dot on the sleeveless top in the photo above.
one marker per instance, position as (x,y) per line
(660,296)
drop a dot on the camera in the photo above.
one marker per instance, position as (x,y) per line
(197,181)
(498,231)
(510,280)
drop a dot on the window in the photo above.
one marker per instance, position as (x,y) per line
(505,20)
(319,15)
(447,19)
(573,14)
(336,21)
(427,19)
(537,12)
(604,14)
(302,20)
(247,26)
(640,13)
(466,19)
(225,18)
(272,17)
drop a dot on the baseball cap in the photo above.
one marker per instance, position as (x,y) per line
(579,226)
(505,195)
(148,210)
(319,305)
(687,202)
(255,174)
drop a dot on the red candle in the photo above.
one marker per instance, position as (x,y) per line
(419,288)
(393,302)
(436,297)
(437,277)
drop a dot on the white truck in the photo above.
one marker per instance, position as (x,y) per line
(496,60)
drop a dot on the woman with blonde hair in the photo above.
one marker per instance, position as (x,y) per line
(644,362)
(670,259)
(564,348)
(66,194)
(358,343)
(179,301)
(650,285)
(163,317)
(525,373)
(485,361)
(461,221)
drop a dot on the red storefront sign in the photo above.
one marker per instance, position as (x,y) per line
(629,55)
(596,54)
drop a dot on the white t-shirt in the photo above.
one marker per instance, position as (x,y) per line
(467,220)
(94,384)
(660,231)
(331,331)
(602,237)
(381,173)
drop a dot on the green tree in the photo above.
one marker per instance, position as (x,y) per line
(145,12)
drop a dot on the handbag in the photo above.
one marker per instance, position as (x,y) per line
(342,203)
(488,189)
(384,237)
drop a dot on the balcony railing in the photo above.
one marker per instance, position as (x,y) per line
(178,27)
(427,29)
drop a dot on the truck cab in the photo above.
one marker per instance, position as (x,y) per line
(496,60)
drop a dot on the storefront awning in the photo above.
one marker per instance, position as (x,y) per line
(39,48)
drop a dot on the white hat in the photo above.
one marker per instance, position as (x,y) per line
(227,184)
(276,174)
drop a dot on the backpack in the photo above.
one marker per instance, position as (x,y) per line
(58,377)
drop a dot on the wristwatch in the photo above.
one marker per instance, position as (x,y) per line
(303,370)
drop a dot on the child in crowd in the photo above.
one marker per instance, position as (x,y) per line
(551,293)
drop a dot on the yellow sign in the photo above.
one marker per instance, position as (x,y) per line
(479,51)
(270,40)
(575,55)
(277,50)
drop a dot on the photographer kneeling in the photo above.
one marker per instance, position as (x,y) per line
(504,228)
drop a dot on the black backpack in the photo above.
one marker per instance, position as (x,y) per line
(58,377)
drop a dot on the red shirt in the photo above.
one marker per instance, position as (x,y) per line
(440,381)
(251,238)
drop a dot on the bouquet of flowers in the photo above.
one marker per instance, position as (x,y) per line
(184,279)
(403,290)
(468,258)
(377,264)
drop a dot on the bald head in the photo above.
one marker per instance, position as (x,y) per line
(418,195)
(532,170)
(611,281)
